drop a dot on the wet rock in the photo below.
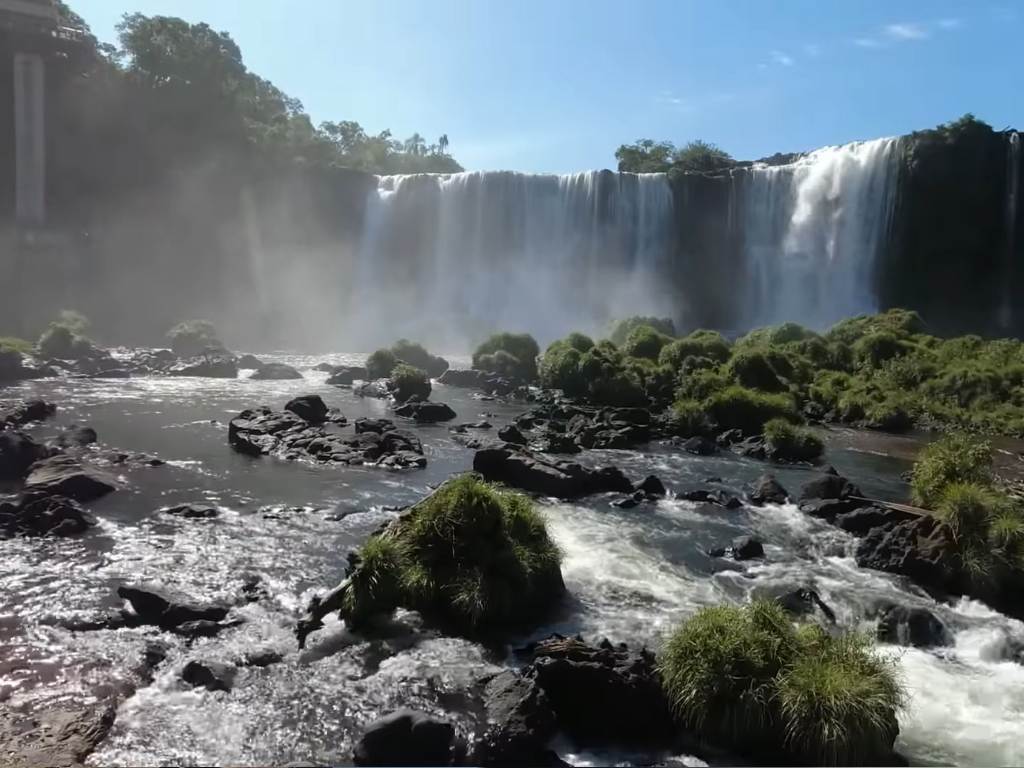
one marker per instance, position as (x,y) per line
(806,602)
(829,485)
(746,548)
(729,437)
(768,490)
(652,486)
(213,367)
(378,389)
(717,496)
(917,627)
(459,377)
(112,373)
(829,509)
(199,628)
(378,426)
(166,608)
(751,447)
(346,375)
(699,446)
(555,442)
(406,737)
(519,468)
(425,412)
(18,452)
(511,434)
(263,658)
(253,588)
(629,502)
(309,408)
(275,372)
(26,411)
(75,436)
(66,476)
(54,736)
(212,675)
(862,520)
(192,511)
(924,550)
(44,515)
(250,362)
(597,696)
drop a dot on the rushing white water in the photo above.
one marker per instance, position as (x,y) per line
(812,231)
(449,258)
(1013,161)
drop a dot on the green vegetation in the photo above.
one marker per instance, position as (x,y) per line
(508,354)
(644,341)
(623,328)
(469,554)
(416,355)
(748,410)
(408,381)
(74,321)
(60,342)
(649,156)
(704,345)
(787,442)
(746,677)
(12,344)
(379,364)
(954,458)
(193,337)
(11,352)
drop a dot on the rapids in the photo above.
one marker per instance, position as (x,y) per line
(632,575)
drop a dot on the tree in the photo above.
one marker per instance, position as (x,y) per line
(442,143)
(645,156)
(701,156)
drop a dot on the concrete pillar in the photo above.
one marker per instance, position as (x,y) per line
(29,138)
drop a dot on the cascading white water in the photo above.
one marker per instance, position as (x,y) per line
(1013,162)
(450,258)
(812,231)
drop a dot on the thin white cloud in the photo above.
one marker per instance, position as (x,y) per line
(906,31)
(813,50)
(867,42)
(949,23)
(670,99)
(783,58)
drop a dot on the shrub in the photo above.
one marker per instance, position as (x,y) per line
(620,389)
(416,355)
(701,384)
(745,675)
(193,337)
(752,369)
(874,349)
(901,322)
(888,416)
(73,320)
(407,381)
(580,342)
(790,443)
(689,419)
(748,410)
(11,351)
(519,358)
(622,328)
(706,344)
(380,364)
(60,342)
(12,344)
(469,554)
(559,368)
(644,341)
(954,458)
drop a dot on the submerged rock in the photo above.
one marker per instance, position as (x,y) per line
(26,411)
(212,675)
(917,627)
(75,436)
(425,412)
(44,515)
(923,549)
(346,375)
(18,452)
(250,362)
(406,737)
(275,372)
(167,608)
(519,468)
(212,367)
(192,511)
(806,602)
(67,476)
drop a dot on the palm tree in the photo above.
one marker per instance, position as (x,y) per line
(443,143)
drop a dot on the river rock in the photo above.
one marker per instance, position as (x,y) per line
(461,377)
(917,627)
(923,549)
(212,675)
(210,367)
(699,446)
(74,436)
(346,375)
(717,496)
(768,490)
(829,485)
(379,426)
(746,548)
(862,520)
(192,511)
(167,608)
(804,602)
(44,515)
(310,408)
(275,372)
(18,452)
(652,486)
(406,737)
(511,434)
(26,411)
(249,362)
(67,476)
(510,464)
(425,411)
(555,442)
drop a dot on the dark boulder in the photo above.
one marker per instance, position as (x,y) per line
(517,467)
(75,436)
(768,490)
(167,608)
(555,442)
(829,509)
(199,628)
(924,550)
(629,502)
(425,412)
(511,434)
(192,511)
(346,375)
(863,519)
(263,658)
(406,737)
(746,548)
(44,515)
(249,362)
(309,408)
(25,412)
(215,367)
(18,452)
(459,377)
(275,372)
(379,426)
(652,486)
(829,486)
(717,496)
(700,446)
(917,627)
(212,675)
(66,476)
(805,602)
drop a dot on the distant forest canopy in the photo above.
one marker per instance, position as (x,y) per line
(188,83)
(650,156)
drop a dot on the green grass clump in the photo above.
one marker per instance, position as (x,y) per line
(622,328)
(60,342)
(11,351)
(408,381)
(12,344)
(559,367)
(644,341)
(745,675)
(751,368)
(508,354)
(706,344)
(954,458)
(470,554)
(690,419)
(416,355)
(379,364)
(748,410)
(791,443)
(193,337)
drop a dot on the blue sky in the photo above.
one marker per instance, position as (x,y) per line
(557,85)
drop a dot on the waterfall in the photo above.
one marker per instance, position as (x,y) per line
(812,231)
(447,259)
(1013,163)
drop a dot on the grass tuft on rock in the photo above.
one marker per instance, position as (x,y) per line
(788,442)
(953,458)
(470,554)
(407,381)
(748,410)
(193,337)
(746,676)
(379,364)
